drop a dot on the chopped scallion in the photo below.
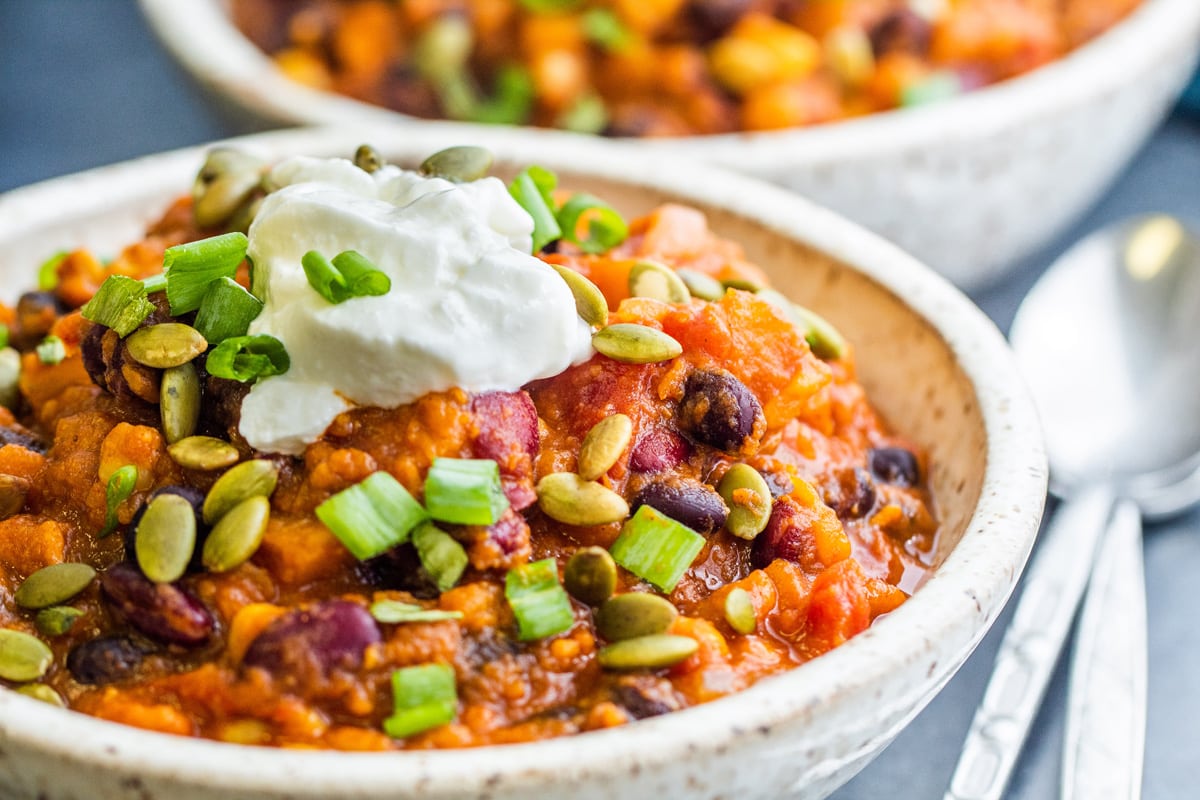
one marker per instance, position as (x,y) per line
(549,6)
(191,267)
(511,100)
(120,486)
(588,114)
(604,28)
(393,612)
(933,88)
(656,548)
(373,516)
(226,311)
(423,697)
(51,350)
(538,601)
(3,336)
(465,491)
(348,275)
(120,303)
(532,189)
(441,555)
(47,277)
(248,358)
(155,283)
(605,227)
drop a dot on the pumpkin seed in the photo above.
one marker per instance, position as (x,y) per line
(739,611)
(590,304)
(56,620)
(744,284)
(54,584)
(167,344)
(567,498)
(179,402)
(10,377)
(460,164)
(228,177)
(237,535)
(591,575)
(603,445)
(634,614)
(825,340)
(13,490)
(367,159)
(700,285)
(246,480)
(657,281)
(746,493)
(165,538)
(40,691)
(635,344)
(647,652)
(203,452)
(23,658)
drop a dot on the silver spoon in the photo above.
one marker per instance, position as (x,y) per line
(1109,340)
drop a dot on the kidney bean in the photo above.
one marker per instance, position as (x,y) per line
(107,659)
(784,537)
(902,30)
(510,532)
(659,450)
(322,637)
(504,419)
(894,465)
(690,502)
(851,493)
(36,314)
(718,410)
(712,19)
(163,611)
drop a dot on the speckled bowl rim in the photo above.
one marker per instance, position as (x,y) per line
(203,39)
(951,611)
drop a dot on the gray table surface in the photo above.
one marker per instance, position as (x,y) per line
(83,83)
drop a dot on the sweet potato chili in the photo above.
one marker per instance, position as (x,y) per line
(708,500)
(664,67)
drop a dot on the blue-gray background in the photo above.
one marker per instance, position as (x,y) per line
(83,83)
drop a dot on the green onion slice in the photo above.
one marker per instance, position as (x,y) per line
(532,190)
(656,548)
(588,114)
(191,267)
(248,358)
(51,350)
(393,612)
(935,87)
(538,600)
(155,283)
(441,555)
(423,697)
(549,6)
(47,276)
(465,491)
(511,102)
(348,275)
(120,486)
(120,303)
(606,228)
(3,336)
(226,311)
(604,28)
(373,516)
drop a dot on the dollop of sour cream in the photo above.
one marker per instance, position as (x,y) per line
(469,306)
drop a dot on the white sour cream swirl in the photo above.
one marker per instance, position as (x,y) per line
(469,306)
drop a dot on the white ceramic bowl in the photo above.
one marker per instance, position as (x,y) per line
(968,186)
(931,361)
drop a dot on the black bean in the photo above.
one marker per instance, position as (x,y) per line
(107,659)
(325,636)
(851,493)
(718,410)
(646,696)
(18,435)
(399,568)
(92,349)
(894,465)
(36,314)
(694,504)
(712,19)
(163,611)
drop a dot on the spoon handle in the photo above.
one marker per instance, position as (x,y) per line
(1054,583)
(1106,711)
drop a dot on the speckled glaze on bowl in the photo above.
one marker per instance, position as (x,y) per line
(968,186)
(935,366)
